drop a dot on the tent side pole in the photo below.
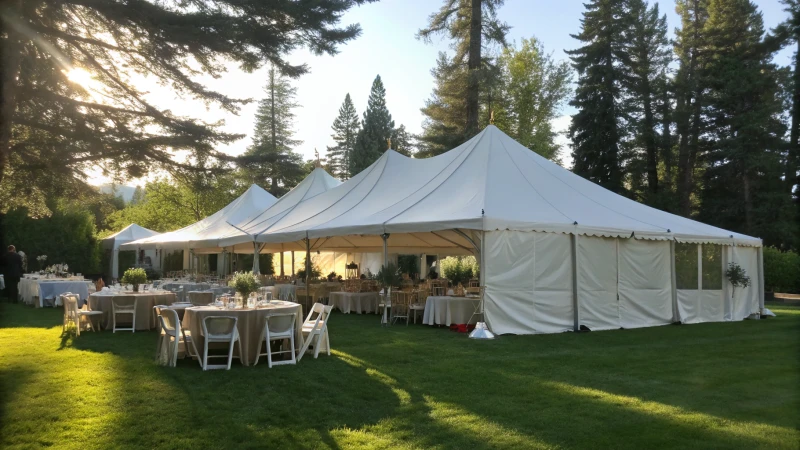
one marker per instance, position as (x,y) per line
(673,283)
(308,264)
(760,255)
(282,261)
(256,268)
(385,237)
(575,306)
(292,263)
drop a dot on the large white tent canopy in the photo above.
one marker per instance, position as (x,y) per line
(491,182)
(557,251)
(114,242)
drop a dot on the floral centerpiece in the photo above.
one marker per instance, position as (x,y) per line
(41,259)
(245,283)
(135,277)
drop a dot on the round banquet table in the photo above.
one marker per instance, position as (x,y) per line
(250,324)
(355,301)
(145,301)
(449,310)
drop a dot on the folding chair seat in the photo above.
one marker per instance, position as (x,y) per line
(315,330)
(123,305)
(277,327)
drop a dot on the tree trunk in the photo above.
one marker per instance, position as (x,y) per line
(793,157)
(690,131)
(10,58)
(650,142)
(748,203)
(474,64)
(666,141)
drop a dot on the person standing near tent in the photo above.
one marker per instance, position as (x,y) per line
(12,272)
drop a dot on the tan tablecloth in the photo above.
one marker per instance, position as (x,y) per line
(448,310)
(355,301)
(145,301)
(250,324)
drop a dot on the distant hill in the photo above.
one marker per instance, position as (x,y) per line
(118,190)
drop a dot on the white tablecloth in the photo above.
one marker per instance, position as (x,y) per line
(47,289)
(355,301)
(282,291)
(449,310)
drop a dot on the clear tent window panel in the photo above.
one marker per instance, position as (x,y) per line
(686,266)
(712,267)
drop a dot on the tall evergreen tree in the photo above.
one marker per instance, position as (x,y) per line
(67,96)
(597,128)
(345,131)
(788,34)
(271,160)
(403,142)
(743,189)
(452,114)
(690,87)
(377,128)
(650,56)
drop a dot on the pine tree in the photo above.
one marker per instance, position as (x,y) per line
(743,189)
(649,60)
(271,160)
(788,33)
(345,131)
(403,142)
(454,109)
(66,96)
(690,120)
(377,128)
(597,128)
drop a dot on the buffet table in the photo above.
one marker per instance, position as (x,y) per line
(50,288)
(449,310)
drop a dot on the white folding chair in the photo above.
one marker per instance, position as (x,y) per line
(198,298)
(478,306)
(277,327)
(123,305)
(75,316)
(420,298)
(316,329)
(220,329)
(170,335)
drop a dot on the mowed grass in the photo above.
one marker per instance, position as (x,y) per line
(719,385)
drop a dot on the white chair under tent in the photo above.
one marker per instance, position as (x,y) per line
(74,316)
(220,329)
(315,330)
(278,327)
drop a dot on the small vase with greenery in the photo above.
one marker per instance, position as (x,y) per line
(135,277)
(245,283)
(388,276)
(737,277)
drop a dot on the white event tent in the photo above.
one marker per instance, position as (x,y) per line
(130,233)
(250,203)
(557,252)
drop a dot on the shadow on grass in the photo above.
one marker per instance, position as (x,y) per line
(15,315)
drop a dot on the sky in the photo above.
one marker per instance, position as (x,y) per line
(388,46)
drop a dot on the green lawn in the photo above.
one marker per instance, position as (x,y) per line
(722,385)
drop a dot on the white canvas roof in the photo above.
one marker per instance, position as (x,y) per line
(130,233)
(490,182)
(239,211)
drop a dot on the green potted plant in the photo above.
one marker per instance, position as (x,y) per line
(135,277)
(737,277)
(245,283)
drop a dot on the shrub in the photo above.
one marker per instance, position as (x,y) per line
(459,269)
(781,271)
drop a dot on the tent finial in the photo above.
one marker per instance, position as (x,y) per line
(317,163)
(491,117)
(389,143)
